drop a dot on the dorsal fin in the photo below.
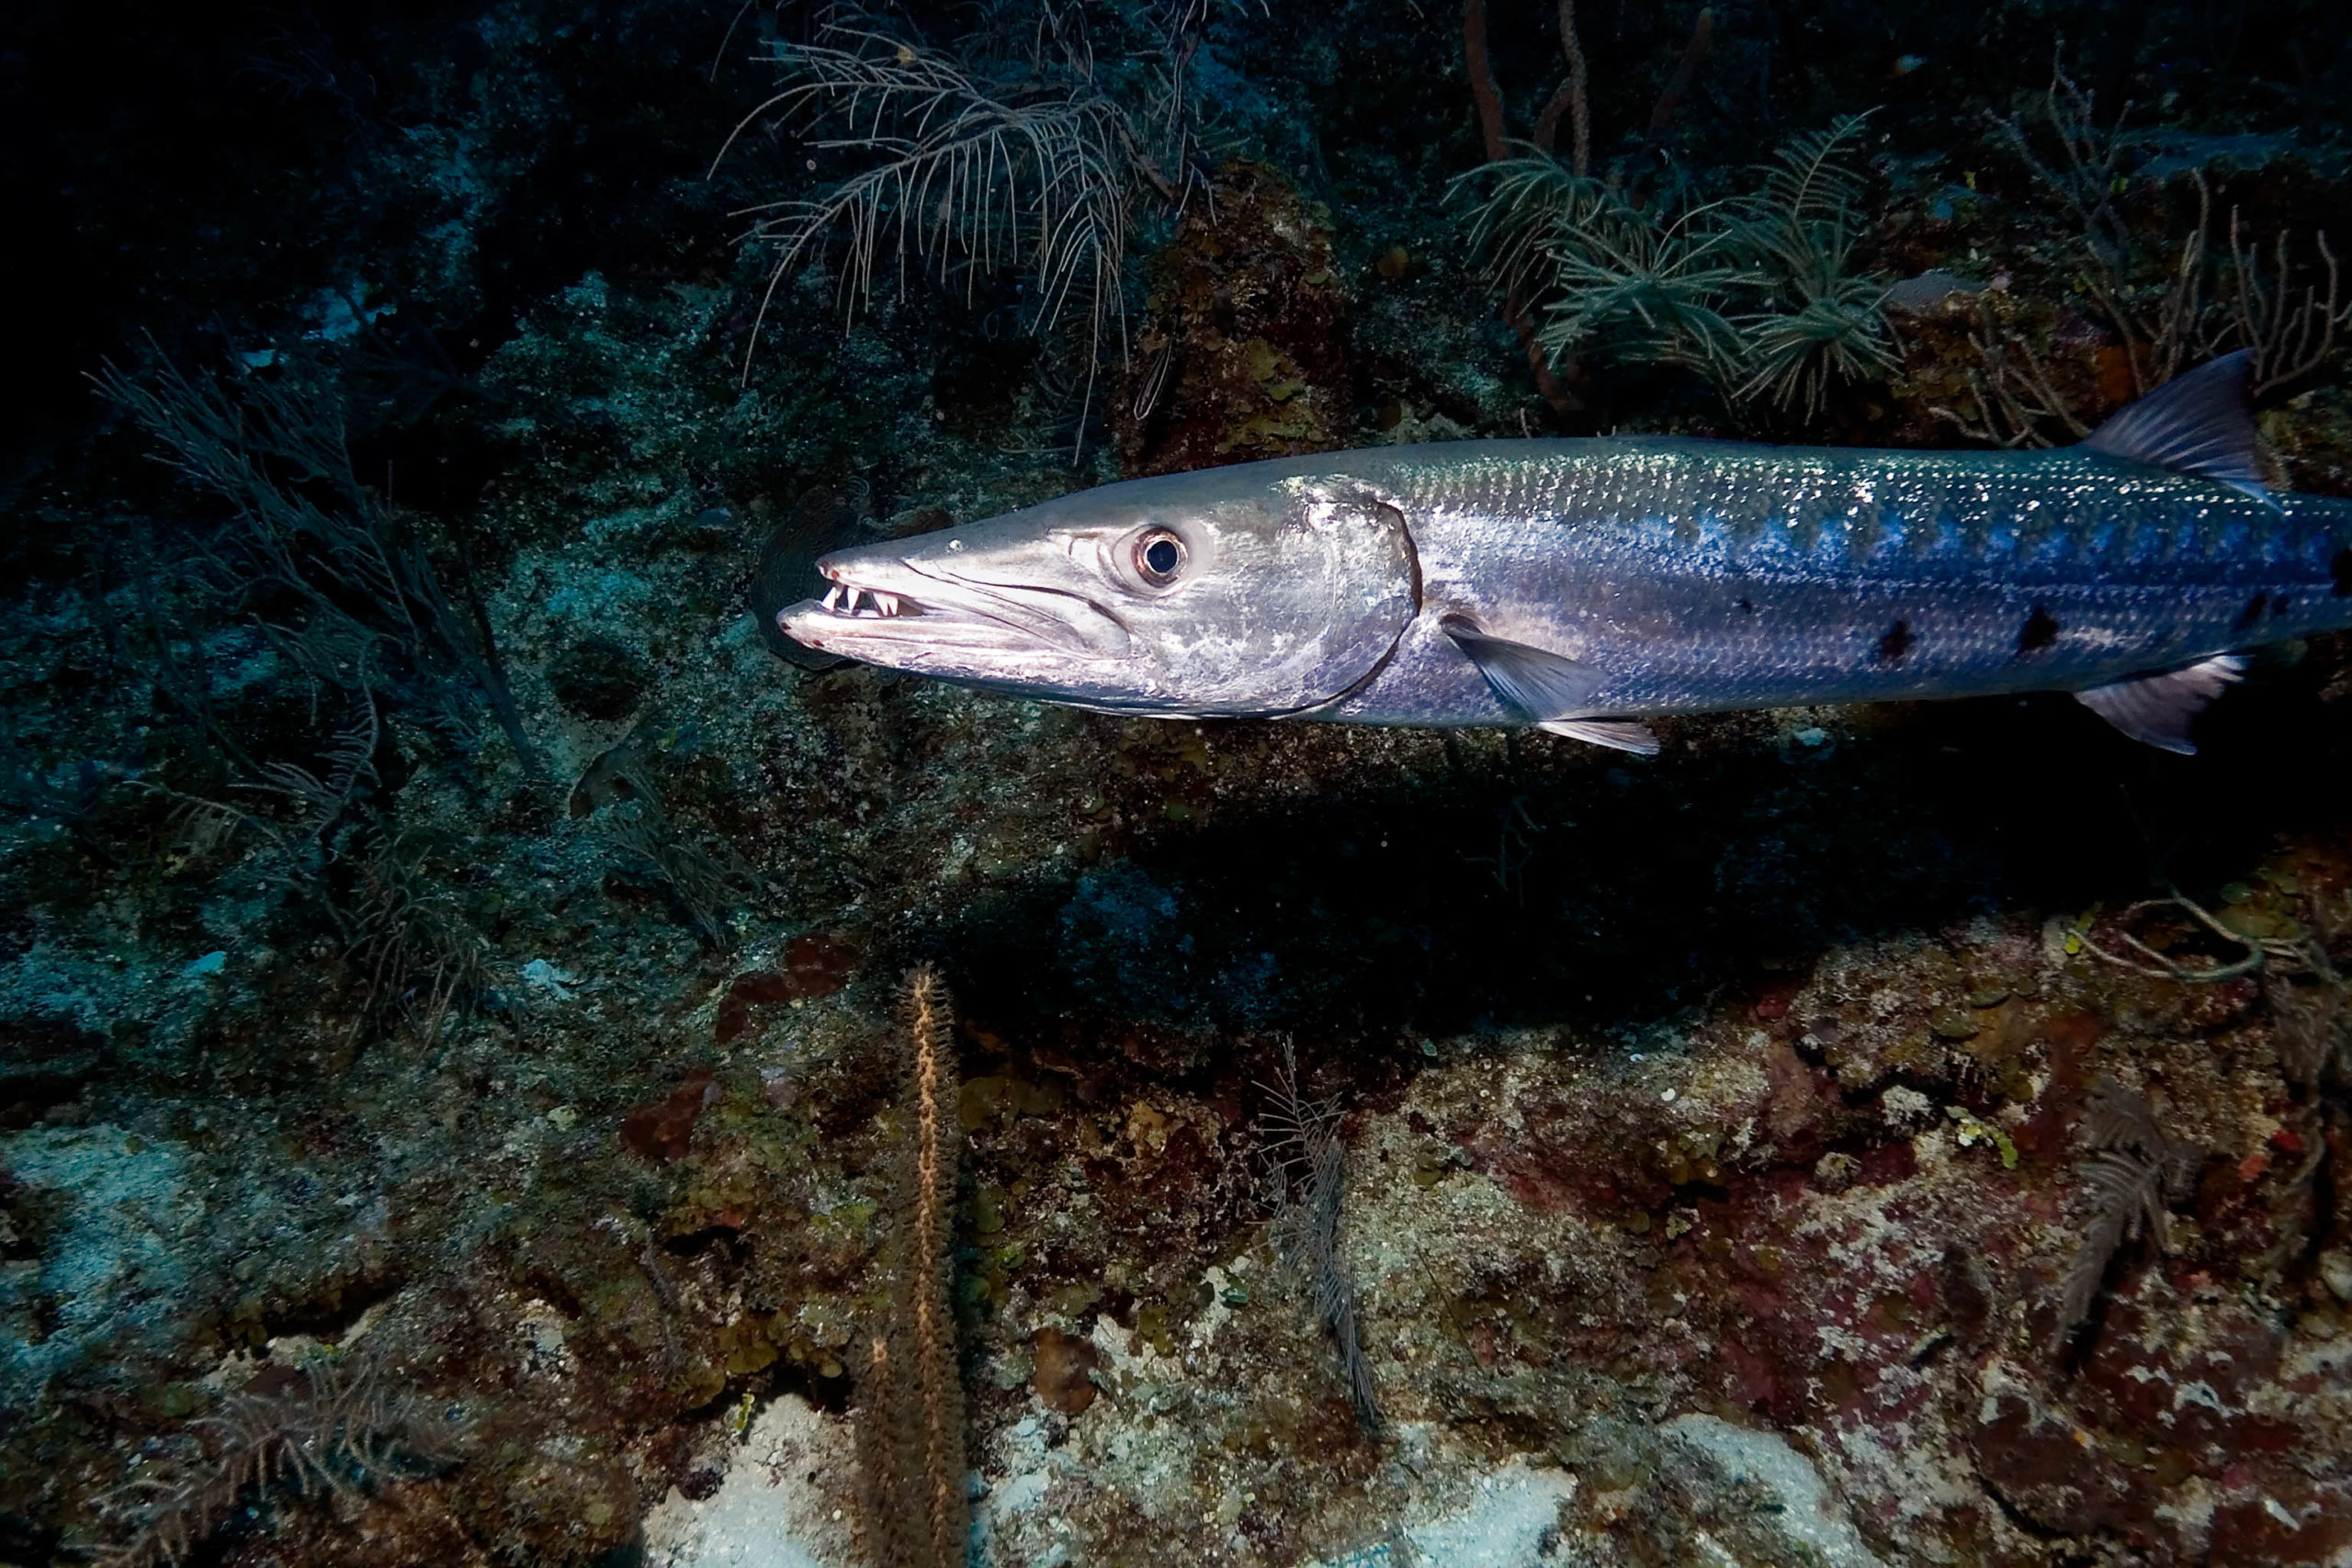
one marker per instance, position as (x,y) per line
(2200,423)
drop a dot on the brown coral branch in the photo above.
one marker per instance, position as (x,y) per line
(1569,100)
(935,1332)
(2289,339)
(1489,97)
(2257,951)
(886,1530)
(1483,86)
(911,1421)
(1686,71)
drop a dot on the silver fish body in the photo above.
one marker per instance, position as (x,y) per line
(1698,576)
(1585,585)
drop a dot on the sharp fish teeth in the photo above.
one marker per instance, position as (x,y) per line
(868,603)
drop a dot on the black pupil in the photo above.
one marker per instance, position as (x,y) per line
(1161,557)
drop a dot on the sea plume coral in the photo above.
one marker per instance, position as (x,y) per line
(335,1426)
(962,175)
(1005,159)
(1309,1173)
(1758,293)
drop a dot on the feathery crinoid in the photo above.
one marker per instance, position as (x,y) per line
(2135,1173)
(911,1416)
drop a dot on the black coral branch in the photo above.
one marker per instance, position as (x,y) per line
(365,608)
(336,1428)
(2136,1172)
(1310,1168)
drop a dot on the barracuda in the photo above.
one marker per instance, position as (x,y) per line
(1582,586)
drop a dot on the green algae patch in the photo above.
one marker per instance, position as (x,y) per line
(1952,1023)
(746,1346)
(1971,1131)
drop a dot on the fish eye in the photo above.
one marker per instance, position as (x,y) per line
(1159,556)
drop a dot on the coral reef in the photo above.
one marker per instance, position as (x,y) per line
(443,931)
(1243,351)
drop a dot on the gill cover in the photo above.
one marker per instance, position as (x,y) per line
(1296,616)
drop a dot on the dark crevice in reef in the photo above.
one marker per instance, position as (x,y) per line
(1616,894)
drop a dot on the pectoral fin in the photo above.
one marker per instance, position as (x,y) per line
(1623,733)
(2158,708)
(1549,688)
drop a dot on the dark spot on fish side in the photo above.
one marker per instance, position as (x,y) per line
(2038,633)
(2341,569)
(2280,605)
(2252,614)
(1746,608)
(1895,643)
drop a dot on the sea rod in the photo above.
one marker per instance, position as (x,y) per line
(1581,586)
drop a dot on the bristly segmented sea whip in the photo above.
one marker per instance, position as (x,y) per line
(915,1511)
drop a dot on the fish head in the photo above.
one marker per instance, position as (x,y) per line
(1226,591)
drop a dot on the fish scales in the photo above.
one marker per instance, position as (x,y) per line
(1583,585)
(1714,574)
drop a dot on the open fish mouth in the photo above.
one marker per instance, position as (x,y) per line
(911,616)
(864,603)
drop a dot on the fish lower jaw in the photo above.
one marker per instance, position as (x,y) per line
(901,634)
